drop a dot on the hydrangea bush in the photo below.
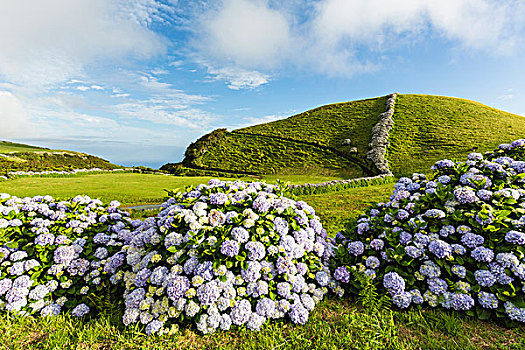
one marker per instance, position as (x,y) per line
(226,254)
(456,240)
(59,255)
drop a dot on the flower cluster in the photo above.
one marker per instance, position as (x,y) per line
(454,240)
(16,174)
(226,254)
(55,254)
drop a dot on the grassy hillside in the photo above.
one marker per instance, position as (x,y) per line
(307,143)
(257,154)
(430,128)
(20,157)
(6,147)
(426,128)
(328,125)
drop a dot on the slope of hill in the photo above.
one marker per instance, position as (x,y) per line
(6,147)
(330,140)
(334,139)
(20,157)
(429,128)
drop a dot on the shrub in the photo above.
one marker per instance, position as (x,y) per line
(226,254)
(59,256)
(455,240)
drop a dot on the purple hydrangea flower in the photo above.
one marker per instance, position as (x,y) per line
(515,237)
(394,283)
(356,248)
(342,274)
(465,195)
(483,254)
(230,248)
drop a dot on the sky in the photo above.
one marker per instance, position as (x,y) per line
(135,81)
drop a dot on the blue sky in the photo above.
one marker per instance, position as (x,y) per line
(135,81)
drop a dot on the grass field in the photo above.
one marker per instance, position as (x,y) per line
(295,143)
(266,155)
(127,188)
(21,157)
(328,125)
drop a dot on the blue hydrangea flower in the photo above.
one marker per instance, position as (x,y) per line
(394,283)
(462,302)
(356,248)
(515,237)
(440,248)
(484,278)
(488,300)
(230,248)
(483,254)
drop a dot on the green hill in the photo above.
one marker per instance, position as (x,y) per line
(21,157)
(333,140)
(307,143)
(430,128)
(7,147)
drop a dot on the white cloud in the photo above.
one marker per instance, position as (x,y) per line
(16,122)
(248,32)
(49,41)
(238,78)
(163,112)
(508,95)
(261,120)
(332,36)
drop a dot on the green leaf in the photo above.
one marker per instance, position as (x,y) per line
(483,314)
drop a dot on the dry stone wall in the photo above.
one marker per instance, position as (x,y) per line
(377,149)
